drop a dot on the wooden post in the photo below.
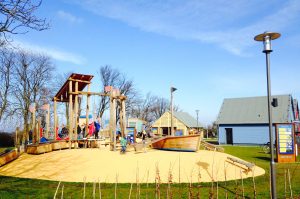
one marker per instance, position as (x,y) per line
(33,126)
(38,131)
(134,135)
(112,121)
(87,110)
(55,118)
(123,115)
(70,114)
(76,110)
(16,138)
(48,122)
(120,117)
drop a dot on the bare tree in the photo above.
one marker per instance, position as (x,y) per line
(112,77)
(161,105)
(32,76)
(151,108)
(6,68)
(60,79)
(17,16)
(145,108)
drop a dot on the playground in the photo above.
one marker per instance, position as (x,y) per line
(89,159)
(78,165)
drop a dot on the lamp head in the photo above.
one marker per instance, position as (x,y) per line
(266,38)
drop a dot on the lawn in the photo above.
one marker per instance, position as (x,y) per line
(11,187)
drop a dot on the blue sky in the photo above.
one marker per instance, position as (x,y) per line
(204,48)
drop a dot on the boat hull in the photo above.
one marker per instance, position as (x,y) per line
(178,143)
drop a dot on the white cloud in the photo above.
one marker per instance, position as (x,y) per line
(52,52)
(228,24)
(69,17)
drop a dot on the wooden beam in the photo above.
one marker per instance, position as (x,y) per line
(16,138)
(55,117)
(76,110)
(38,131)
(70,114)
(33,125)
(123,115)
(48,122)
(87,111)
(112,121)
(77,80)
(89,93)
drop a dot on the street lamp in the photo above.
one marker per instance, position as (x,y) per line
(171,107)
(266,38)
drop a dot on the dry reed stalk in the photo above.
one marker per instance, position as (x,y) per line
(130,191)
(285,192)
(243,190)
(84,179)
(217,189)
(94,190)
(190,191)
(157,182)
(170,181)
(56,190)
(270,186)
(116,184)
(254,187)
(179,174)
(199,181)
(138,192)
(225,178)
(147,184)
(236,184)
(100,195)
(62,191)
(212,175)
(191,186)
(290,185)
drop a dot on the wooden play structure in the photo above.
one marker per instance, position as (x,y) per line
(246,166)
(69,93)
(211,147)
(8,156)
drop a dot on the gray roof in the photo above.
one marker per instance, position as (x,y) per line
(186,118)
(253,110)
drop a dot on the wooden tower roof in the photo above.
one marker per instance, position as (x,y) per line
(63,93)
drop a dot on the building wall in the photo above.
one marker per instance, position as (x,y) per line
(246,134)
(165,121)
(136,123)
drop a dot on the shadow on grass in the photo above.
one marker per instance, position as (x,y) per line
(263,158)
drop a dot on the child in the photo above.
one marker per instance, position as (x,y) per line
(123,143)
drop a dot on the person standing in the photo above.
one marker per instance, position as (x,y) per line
(123,143)
(97,129)
(144,140)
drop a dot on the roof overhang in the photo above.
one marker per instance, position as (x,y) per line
(63,94)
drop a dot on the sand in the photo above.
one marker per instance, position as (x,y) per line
(77,165)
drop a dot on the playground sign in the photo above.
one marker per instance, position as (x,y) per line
(285,143)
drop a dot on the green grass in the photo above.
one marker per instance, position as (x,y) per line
(11,187)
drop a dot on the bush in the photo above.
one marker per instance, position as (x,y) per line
(6,139)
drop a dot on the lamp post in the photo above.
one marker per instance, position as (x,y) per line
(171,108)
(266,38)
(197,112)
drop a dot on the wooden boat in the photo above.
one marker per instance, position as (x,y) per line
(189,143)
(9,156)
(39,148)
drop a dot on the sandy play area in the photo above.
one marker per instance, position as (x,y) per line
(92,164)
